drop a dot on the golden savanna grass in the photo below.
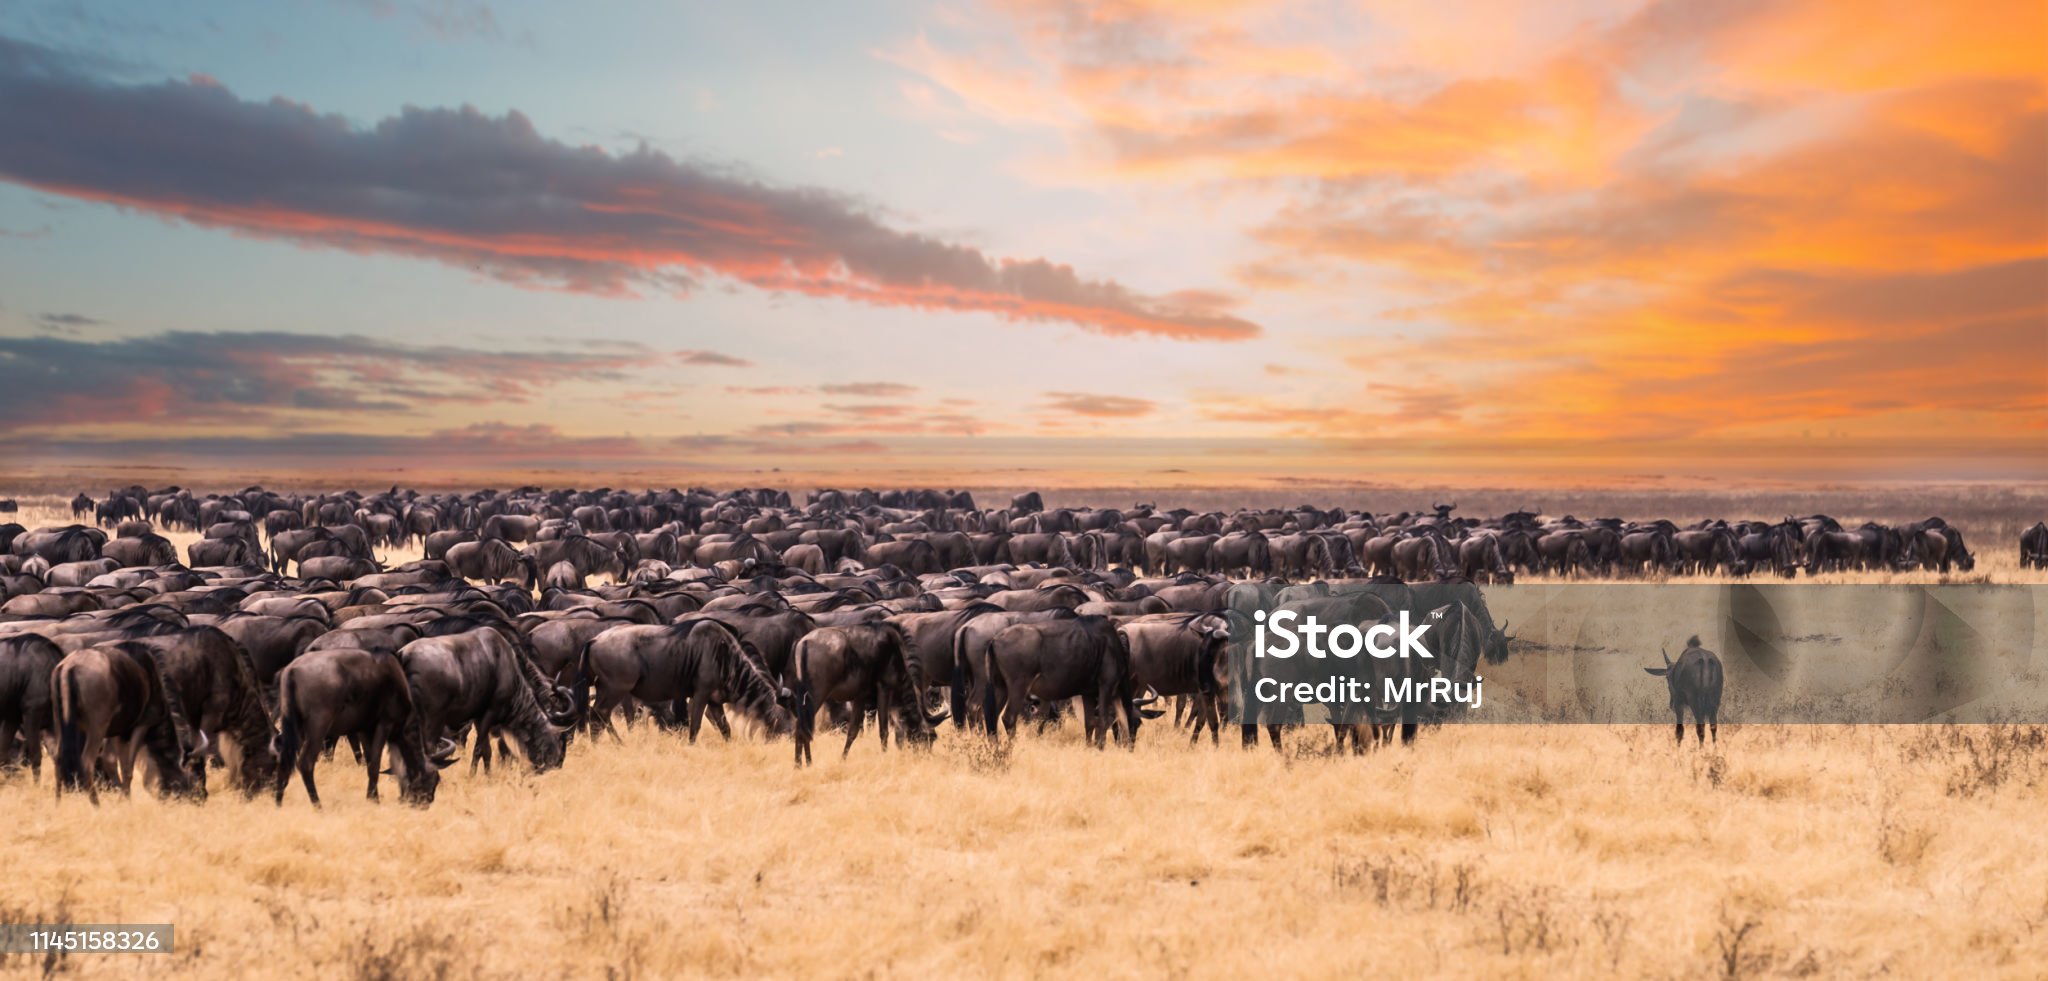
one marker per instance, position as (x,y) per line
(1514,851)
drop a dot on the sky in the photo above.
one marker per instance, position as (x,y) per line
(1141,241)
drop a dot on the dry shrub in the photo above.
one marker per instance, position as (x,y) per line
(28,911)
(1408,880)
(410,952)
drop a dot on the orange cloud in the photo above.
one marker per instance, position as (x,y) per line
(1099,406)
(1648,220)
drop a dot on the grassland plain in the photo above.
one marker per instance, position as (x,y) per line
(1515,851)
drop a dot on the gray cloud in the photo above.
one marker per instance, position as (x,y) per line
(225,378)
(713,358)
(67,320)
(492,194)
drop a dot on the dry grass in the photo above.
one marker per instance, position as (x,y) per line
(1520,851)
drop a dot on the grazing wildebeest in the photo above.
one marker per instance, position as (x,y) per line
(586,556)
(220,552)
(491,560)
(210,684)
(26,711)
(862,665)
(145,549)
(1181,654)
(112,697)
(357,693)
(2034,546)
(72,543)
(1050,661)
(479,677)
(700,662)
(970,661)
(1695,684)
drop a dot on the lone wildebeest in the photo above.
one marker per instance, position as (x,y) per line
(1695,683)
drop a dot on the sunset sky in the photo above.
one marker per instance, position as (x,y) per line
(1143,241)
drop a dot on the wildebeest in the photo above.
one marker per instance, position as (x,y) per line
(1695,684)
(862,665)
(490,560)
(111,699)
(2034,546)
(209,682)
(478,677)
(351,692)
(26,710)
(1054,660)
(699,662)
(1181,654)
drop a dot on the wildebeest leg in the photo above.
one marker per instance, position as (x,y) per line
(853,723)
(1093,720)
(482,752)
(1681,726)
(307,757)
(126,751)
(198,769)
(1207,706)
(1180,705)
(375,751)
(806,726)
(89,761)
(1019,697)
(1273,733)
(1408,724)
(696,718)
(1250,733)
(1699,730)
(883,704)
(716,713)
(32,748)
(601,716)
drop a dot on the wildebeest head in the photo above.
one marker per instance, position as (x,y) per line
(418,788)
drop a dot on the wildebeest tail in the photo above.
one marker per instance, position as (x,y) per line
(70,737)
(958,690)
(991,677)
(579,686)
(285,745)
(802,700)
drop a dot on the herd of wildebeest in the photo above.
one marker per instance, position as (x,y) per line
(537,614)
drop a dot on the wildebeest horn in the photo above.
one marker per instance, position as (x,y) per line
(934,718)
(1667,656)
